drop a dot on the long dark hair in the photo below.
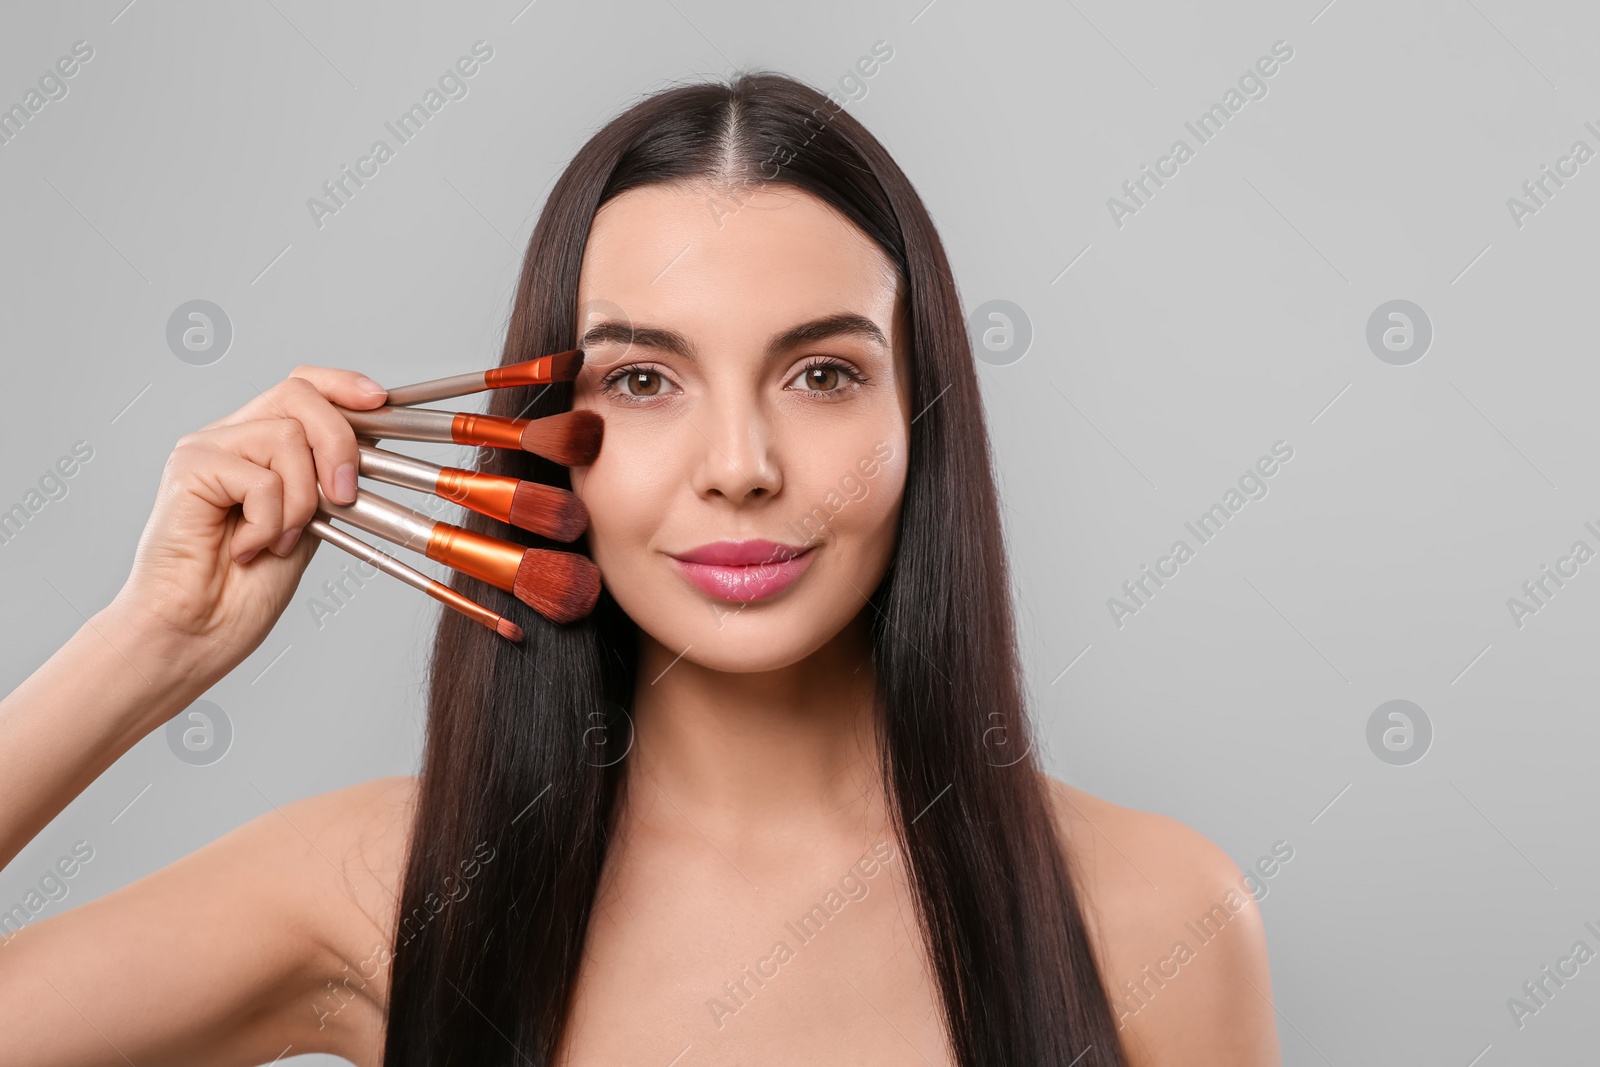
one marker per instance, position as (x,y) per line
(524,751)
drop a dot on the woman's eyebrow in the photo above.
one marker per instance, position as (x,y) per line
(844,324)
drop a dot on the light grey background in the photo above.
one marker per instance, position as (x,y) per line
(1168,354)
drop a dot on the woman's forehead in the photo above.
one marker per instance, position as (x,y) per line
(662,251)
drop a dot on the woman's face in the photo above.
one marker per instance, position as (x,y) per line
(763,398)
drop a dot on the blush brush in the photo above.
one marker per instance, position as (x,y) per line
(562,586)
(413,577)
(542,509)
(571,438)
(561,367)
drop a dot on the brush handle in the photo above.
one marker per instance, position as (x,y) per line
(390,521)
(409,575)
(366,553)
(403,424)
(438,389)
(406,471)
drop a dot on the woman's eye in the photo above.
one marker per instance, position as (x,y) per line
(638,384)
(826,377)
(643,383)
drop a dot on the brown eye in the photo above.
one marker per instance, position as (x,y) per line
(822,379)
(642,379)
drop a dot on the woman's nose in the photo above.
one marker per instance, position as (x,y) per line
(735,455)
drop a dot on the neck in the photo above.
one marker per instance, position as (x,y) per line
(796,744)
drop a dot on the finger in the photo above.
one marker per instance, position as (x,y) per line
(227,479)
(290,456)
(332,441)
(280,445)
(347,388)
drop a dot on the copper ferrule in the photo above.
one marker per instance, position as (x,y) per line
(488,494)
(486,558)
(493,431)
(528,372)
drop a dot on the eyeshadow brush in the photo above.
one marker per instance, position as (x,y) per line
(543,509)
(561,367)
(562,586)
(571,438)
(413,577)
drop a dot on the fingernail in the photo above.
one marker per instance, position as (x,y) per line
(286,542)
(367,385)
(248,556)
(344,483)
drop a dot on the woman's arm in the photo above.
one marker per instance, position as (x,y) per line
(112,682)
(201,961)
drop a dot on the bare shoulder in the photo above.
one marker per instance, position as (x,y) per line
(1179,936)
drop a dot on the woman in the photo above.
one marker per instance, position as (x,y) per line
(790,816)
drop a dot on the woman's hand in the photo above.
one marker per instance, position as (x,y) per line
(222,552)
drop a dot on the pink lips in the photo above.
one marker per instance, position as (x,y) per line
(743,570)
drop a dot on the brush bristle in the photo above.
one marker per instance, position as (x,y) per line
(565,366)
(571,438)
(507,628)
(548,510)
(561,586)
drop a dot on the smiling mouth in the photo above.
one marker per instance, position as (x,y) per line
(716,571)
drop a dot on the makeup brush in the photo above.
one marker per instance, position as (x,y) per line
(413,577)
(562,586)
(571,438)
(543,509)
(561,367)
